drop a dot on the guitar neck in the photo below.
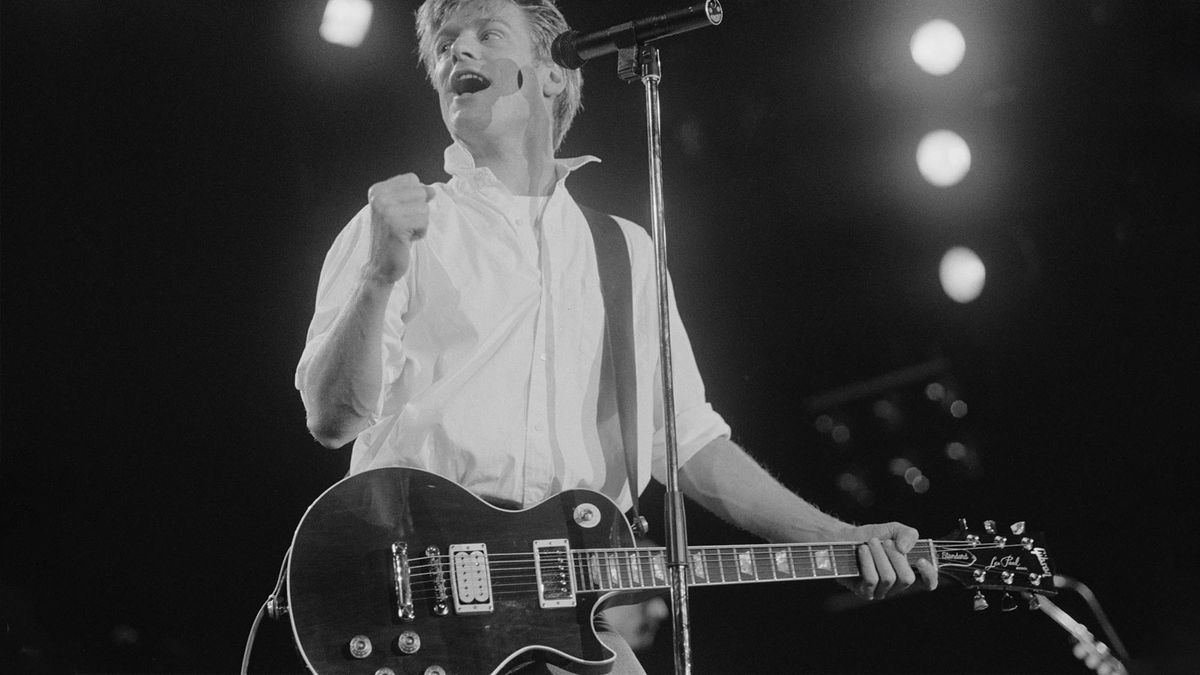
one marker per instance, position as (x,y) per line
(616,569)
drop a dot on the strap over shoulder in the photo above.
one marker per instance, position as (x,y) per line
(618,363)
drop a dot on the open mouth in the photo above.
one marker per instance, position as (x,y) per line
(465,82)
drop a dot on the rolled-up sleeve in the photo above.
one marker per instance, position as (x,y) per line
(696,423)
(340,275)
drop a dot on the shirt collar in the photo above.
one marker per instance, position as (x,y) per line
(460,164)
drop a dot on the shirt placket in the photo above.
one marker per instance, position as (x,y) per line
(539,464)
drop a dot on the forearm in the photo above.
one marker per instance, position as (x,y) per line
(728,482)
(342,384)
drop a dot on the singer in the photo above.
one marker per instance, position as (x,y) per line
(459,325)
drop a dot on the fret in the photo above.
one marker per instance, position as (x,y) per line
(713,565)
(764,567)
(805,560)
(646,564)
(580,571)
(801,564)
(729,561)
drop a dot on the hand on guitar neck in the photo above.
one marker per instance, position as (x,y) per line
(889,547)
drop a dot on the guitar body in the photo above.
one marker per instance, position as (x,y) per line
(342,581)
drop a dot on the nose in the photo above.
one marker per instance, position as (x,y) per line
(465,46)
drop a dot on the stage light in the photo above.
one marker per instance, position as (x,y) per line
(956,451)
(962,274)
(938,47)
(943,158)
(346,21)
(958,409)
(840,434)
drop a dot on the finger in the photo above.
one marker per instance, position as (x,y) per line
(906,537)
(866,569)
(904,572)
(883,568)
(928,572)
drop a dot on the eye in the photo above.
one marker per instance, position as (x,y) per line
(490,33)
(442,46)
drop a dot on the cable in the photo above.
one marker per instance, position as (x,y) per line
(270,606)
(1094,604)
(250,638)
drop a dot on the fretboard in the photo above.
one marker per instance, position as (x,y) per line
(644,568)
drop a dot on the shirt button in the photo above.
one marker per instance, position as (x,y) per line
(543,356)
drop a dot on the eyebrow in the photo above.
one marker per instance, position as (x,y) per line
(444,30)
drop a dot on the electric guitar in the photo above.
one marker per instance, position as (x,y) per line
(398,571)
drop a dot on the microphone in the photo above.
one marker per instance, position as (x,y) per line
(572,48)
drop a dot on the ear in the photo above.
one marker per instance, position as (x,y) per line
(554,80)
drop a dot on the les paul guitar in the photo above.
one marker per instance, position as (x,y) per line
(399,571)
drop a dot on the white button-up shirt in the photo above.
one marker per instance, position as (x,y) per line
(492,347)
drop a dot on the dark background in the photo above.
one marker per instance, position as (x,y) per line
(173,173)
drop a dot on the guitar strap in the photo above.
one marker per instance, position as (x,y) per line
(617,364)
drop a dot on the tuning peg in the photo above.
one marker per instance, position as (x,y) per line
(962,525)
(989,526)
(981,602)
(1018,528)
(1035,601)
(1008,603)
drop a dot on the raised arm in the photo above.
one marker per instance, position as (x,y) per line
(342,382)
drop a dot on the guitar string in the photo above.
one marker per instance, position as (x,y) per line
(653,554)
(761,550)
(728,563)
(758,558)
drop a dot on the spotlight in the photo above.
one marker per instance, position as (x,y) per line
(346,21)
(943,158)
(938,47)
(962,274)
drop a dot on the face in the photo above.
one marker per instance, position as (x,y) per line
(489,82)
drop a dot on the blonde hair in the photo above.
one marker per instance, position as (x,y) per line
(546,22)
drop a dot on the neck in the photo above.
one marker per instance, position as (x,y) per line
(526,167)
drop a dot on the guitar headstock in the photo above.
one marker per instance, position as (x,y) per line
(1011,561)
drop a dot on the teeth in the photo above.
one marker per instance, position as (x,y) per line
(468,83)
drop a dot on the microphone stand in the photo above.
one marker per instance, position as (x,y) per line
(641,62)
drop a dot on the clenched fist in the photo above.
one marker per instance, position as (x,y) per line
(399,216)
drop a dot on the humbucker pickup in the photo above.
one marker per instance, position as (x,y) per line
(556,582)
(472,578)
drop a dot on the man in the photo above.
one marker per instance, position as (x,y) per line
(458,325)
